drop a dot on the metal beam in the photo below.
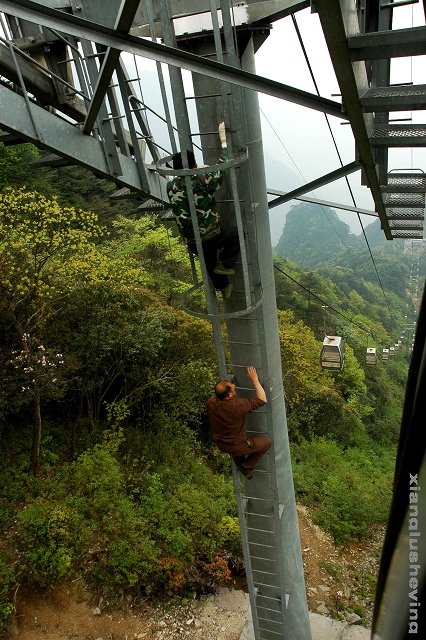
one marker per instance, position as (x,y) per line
(81,28)
(338,22)
(326,203)
(39,84)
(315,184)
(111,58)
(380,45)
(65,140)
(250,11)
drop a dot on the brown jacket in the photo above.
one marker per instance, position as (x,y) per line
(227,421)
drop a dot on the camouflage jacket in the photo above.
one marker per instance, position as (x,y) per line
(204,188)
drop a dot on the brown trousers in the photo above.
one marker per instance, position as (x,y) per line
(249,452)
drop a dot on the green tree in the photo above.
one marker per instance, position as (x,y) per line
(35,234)
(15,166)
(162,254)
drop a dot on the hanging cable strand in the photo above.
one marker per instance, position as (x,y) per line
(299,35)
(303,178)
(323,302)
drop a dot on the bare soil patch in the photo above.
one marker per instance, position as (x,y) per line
(337,580)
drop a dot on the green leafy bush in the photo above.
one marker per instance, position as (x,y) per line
(350,489)
(119,530)
(50,536)
(8,581)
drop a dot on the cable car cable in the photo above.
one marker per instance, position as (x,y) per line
(299,35)
(302,176)
(323,302)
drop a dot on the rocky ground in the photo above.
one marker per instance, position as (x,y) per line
(339,582)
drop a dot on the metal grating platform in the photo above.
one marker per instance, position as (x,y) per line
(399,98)
(407,234)
(406,224)
(404,135)
(410,200)
(405,183)
(405,214)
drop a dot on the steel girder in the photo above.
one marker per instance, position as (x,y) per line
(109,37)
(361,43)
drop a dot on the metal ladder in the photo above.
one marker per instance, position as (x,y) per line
(263,504)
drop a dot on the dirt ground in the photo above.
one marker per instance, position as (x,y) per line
(337,580)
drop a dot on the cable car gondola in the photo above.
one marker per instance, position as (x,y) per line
(371,355)
(333,353)
(392,351)
(385,354)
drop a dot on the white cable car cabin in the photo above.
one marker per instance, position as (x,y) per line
(333,353)
(371,355)
(392,351)
(385,354)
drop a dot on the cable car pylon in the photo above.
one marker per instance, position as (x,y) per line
(246,330)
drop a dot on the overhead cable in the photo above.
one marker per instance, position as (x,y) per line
(296,26)
(323,302)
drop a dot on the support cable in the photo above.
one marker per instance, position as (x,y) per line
(323,302)
(340,159)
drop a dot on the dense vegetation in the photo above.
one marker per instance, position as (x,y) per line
(108,474)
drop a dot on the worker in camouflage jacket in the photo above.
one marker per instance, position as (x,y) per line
(214,236)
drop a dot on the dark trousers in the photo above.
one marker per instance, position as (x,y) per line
(228,241)
(248,453)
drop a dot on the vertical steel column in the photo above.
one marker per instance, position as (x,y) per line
(287,540)
(267,508)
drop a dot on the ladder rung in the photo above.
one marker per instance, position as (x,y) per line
(260,595)
(278,633)
(257,515)
(259,606)
(259,544)
(256,498)
(205,133)
(267,573)
(212,95)
(263,560)
(269,586)
(271,621)
(244,343)
(260,530)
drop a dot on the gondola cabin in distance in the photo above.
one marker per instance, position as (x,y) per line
(371,356)
(333,353)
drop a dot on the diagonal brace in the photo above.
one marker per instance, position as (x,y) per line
(315,184)
(106,36)
(123,25)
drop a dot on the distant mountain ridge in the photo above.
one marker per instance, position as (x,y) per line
(314,234)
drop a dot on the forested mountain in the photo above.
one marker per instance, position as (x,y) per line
(108,474)
(315,238)
(313,234)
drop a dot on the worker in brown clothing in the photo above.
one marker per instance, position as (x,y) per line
(227,422)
